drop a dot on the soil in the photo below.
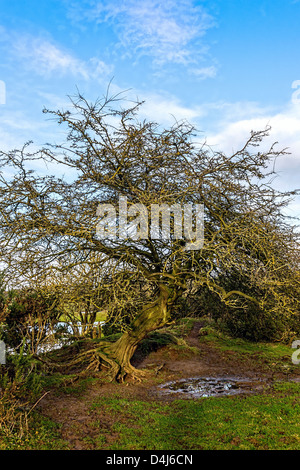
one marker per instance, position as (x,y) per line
(74,414)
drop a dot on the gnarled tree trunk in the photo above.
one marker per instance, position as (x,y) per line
(118,355)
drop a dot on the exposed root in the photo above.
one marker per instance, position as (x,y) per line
(131,372)
(95,360)
(120,372)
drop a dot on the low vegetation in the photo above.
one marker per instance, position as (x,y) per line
(122,419)
(268,421)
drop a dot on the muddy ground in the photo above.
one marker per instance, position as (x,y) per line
(73,412)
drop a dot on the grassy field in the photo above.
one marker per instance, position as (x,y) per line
(117,420)
(262,422)
(270,421)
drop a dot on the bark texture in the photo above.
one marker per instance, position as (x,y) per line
(118,355)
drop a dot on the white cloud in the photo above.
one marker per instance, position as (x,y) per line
(167,110)
(163,108)
(285,126)
(46,58)
(167,31)
(236,127)
(204,72)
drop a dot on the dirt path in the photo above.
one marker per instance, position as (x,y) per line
(74,414)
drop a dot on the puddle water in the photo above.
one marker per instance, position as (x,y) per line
(197,387)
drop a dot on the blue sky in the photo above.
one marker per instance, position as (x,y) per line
(227,66)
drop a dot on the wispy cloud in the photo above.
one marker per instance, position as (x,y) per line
(166,110)
(235,129)
(167,31)
(45,57)
(204,72)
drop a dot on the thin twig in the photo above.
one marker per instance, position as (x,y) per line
(46,393)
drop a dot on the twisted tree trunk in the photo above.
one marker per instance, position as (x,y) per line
(118,355)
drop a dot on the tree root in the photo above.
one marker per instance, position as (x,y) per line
(118,372)
(131,372)
(97,359)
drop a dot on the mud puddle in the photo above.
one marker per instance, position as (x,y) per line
(198,387)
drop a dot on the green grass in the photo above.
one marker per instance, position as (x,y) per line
(230,423)
(226,342)
(182,326)
(269,421)
(100,316)
(42,434)
(274,355)
(266,421)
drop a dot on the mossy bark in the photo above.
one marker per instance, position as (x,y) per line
(118,355)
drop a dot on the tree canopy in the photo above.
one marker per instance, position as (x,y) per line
(49,221)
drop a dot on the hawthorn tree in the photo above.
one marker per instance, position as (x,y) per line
(49,221)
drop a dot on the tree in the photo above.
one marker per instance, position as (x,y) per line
(110,158)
